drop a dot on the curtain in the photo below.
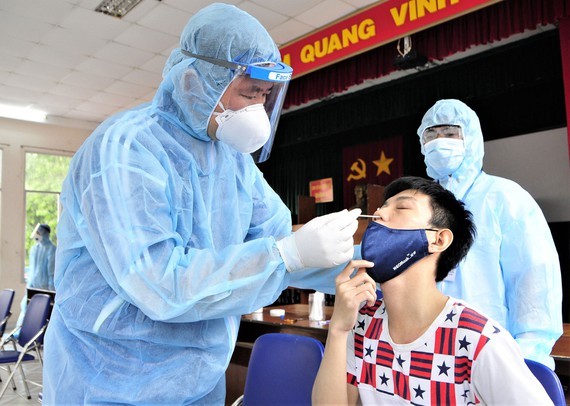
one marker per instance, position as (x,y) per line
(565,52)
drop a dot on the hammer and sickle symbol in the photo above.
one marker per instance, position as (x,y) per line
(358,171)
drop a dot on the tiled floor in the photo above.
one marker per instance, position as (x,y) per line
(17,397)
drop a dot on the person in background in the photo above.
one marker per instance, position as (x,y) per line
(41,265)
(42,259)
(512,273)
(417,345)
(169,232)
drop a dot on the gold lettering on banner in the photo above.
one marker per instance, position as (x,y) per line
(358,171)
(415,9)
(335,42)
(349,36)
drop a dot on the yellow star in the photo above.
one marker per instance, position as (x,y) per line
(383,164)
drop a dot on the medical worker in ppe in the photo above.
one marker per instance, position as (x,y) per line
(42,259)
(169,232)
(512,272)
(41,265)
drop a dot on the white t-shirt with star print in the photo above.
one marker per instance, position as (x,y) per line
(464,358)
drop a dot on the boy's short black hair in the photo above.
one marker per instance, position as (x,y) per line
(448,212)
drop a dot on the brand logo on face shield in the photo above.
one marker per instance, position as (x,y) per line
(279,77)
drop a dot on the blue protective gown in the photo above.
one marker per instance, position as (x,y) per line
(512,272)
(166,239)
(40,271)
(42,265)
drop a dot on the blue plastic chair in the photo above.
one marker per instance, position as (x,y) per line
(6,299)
(548,378)
(281,371)
(30,339)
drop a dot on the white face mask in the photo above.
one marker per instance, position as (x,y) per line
(246,130)
(443,156)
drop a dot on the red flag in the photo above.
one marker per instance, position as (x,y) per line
(377,163)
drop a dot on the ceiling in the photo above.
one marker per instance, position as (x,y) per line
(80,66)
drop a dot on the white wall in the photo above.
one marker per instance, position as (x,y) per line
(540,163)
(17,138)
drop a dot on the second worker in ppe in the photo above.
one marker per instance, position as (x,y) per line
(170,233)
(512,272)
(41,267)
(42,259)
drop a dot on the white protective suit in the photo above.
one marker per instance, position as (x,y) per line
(512,272)
(166,239)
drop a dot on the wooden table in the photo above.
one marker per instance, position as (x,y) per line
(561,349)
(295,321)
(561,354)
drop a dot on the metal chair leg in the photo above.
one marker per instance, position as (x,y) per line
(25,381)
(5,386)
(9,372)
(13,382)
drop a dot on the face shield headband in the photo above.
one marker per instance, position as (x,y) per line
(277,73)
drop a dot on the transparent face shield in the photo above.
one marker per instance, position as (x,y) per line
(36,228)
(258,83)
(37,234)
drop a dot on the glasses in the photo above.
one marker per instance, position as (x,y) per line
(442,131)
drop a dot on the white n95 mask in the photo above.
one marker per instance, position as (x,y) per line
(443,156)
(246,130)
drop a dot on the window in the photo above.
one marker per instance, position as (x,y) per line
(44,178)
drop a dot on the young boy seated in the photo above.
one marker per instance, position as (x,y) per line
(416,345)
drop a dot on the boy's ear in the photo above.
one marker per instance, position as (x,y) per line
(443,240)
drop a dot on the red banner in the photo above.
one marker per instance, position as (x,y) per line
(374,163)
(370,28)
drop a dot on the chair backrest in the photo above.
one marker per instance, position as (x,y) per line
(282,369)
(35,318)
(6,299)
(548,378)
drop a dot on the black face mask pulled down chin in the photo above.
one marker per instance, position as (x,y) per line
(392,250)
